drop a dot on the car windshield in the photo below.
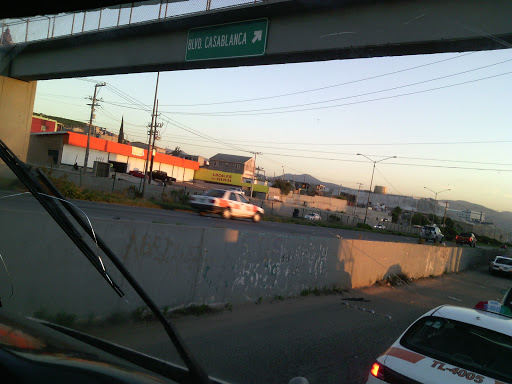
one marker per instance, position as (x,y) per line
(464,345)
(504,260)
(146,114)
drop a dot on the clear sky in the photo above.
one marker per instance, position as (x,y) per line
(434,134)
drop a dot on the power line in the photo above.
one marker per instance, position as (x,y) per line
(360,144)
(330,152)
(387,181)
(320,88)
(171,121)
(274,110)
(366,93)
(230,114)
(388,163)
(375,155)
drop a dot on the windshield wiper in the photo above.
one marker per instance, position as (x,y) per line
(26,176)
(22,171)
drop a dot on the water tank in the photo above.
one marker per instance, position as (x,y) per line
(379,189)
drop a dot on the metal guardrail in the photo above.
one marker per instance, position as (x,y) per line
(48,27)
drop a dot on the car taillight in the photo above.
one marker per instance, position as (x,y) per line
(378,371)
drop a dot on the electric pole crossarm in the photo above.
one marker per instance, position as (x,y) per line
(93,105)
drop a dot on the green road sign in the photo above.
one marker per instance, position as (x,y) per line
(245,38)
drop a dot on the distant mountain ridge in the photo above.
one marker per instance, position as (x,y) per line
(501,219)
(305,178)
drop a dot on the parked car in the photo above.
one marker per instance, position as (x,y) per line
(137,173)
(313,217)
(503,246)
(228,204)
(466,238)
(431,233)
(239,190)
(162,176)
(449,344)
(501,264)
(159,175)
(379,226)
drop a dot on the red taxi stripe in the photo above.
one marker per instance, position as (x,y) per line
(403,354)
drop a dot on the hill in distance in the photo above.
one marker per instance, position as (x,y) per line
(501,219)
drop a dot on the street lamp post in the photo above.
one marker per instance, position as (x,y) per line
(435,200)
(371,182)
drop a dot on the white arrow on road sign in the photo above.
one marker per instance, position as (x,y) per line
(257,36)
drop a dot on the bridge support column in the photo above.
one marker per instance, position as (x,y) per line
(16,108)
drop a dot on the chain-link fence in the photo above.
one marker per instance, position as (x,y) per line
(23,30)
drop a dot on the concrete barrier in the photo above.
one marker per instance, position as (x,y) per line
(181,265)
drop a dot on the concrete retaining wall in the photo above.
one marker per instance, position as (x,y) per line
(181,265)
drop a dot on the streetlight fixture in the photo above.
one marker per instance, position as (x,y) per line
(371,182)
(435,200)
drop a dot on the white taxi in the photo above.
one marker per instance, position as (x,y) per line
(228,204)
(451,344)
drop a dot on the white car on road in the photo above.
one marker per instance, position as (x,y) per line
(451,344)
(501,264)
(312,216)
(228,204)
(379,226)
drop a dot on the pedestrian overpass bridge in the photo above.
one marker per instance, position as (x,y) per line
(230,33)
(296,31)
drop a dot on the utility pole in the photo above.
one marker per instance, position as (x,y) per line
(412,212)
(93,105)
(355,205)
(156,136)
(445,210)
(371,182)
(254,170)
(150,134)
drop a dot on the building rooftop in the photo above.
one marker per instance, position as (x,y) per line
(230,158)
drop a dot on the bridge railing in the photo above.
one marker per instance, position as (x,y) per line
(48,27)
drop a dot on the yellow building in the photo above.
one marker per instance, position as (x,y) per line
(228,178)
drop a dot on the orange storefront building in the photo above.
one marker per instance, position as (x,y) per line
(67,148)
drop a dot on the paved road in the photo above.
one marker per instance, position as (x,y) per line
(120,212)
(328,339)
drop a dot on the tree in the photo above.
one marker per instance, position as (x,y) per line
(176,152)
(419,219)
(120,138)
(395,214)
(284,186)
